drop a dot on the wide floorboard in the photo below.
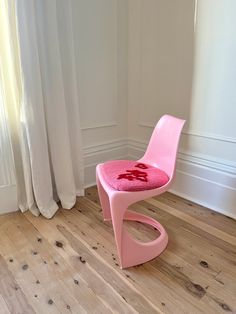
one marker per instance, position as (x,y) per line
(69,264)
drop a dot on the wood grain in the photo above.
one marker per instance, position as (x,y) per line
(69,264)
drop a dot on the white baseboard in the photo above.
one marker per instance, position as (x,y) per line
(200,178)
(8,197)
(218,197)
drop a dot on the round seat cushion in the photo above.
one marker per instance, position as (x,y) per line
(129,175)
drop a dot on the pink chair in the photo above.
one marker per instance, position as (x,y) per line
(124,182)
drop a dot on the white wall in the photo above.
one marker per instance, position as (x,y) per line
(160,61)
(136,60)
(139,59)
(101,38)
(212,131)
(161,80)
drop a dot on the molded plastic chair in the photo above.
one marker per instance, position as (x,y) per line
(161,154)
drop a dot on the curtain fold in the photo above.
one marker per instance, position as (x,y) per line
(47,111)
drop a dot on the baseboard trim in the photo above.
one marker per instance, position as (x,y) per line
(202,179)
(8,196)
(104,147)
(90,185)
(210,182)
(202,203)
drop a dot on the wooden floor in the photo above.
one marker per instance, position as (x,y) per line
(69,264)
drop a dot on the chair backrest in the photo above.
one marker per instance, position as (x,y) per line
(163,145)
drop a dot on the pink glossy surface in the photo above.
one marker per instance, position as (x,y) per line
(118,174)
(163,145)
(161,153)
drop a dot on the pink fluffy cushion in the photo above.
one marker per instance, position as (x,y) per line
(129,175)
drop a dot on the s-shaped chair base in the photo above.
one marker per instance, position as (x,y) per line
(131,251)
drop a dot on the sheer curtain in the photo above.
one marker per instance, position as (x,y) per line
(44,119)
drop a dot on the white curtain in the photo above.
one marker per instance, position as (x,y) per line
(49,128)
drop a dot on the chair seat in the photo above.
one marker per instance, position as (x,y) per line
(129,175)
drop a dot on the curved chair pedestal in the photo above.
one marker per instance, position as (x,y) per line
(133,252)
